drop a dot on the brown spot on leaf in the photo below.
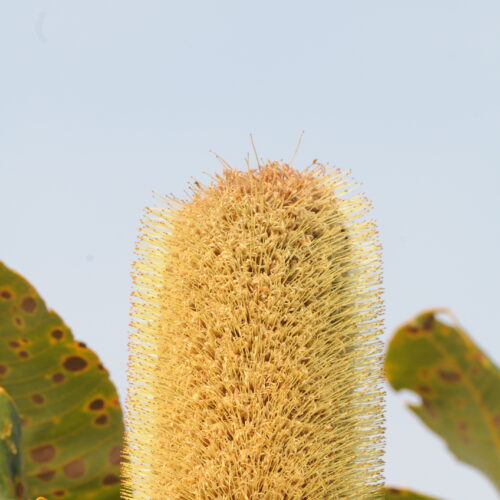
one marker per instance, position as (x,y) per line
(395,491)
(46,475)
(57,334)
(424,389)
(496,420)
(59,493)
(83,345)
(3,369)
(479,356)
(463,428)
(427,321)
(57,378)
(75,363)
(24,354)
(97,404)
(5,294)
(101,420)
(19,322)
(412,329)
(75,469)
(28,305)
(100,367)
(19,490)
(115,455)
(14,344)
(428,406)
(110,479)
(44,453)
(449,375)
(38,399)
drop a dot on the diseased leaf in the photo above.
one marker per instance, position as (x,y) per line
(10,454)
(72,420)
(399,494)
(458,384)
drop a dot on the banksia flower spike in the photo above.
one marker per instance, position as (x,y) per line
(255,359)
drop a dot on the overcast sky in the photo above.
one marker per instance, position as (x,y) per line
(103,102)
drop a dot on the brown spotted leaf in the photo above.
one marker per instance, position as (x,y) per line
(399,494)
(10,442)
(458,384)
(72,420)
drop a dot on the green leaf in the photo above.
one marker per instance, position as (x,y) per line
(10,453)
(72,420)
(399,494)
(459,387)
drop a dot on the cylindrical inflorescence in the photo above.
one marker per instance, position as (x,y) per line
(255,358)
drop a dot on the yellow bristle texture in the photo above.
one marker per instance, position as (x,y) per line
(255,358)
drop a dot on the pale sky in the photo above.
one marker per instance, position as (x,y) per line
(103,102)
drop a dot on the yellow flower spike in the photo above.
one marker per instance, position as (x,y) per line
(255,358)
